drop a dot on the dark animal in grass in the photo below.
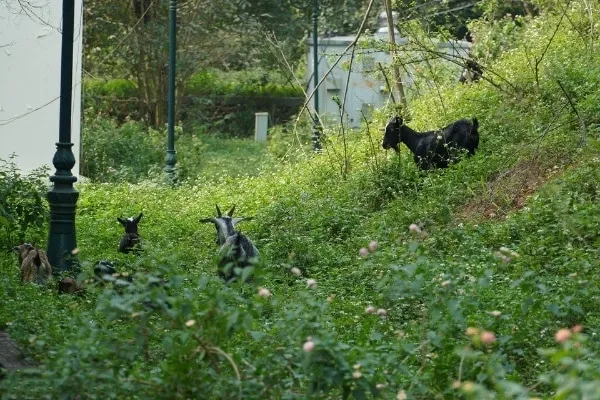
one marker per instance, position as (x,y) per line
(434,149)
(471,72)
(34,264)
(71,286)
(131,241)
(237,250)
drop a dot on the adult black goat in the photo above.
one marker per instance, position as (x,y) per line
(433,149)
(237,250)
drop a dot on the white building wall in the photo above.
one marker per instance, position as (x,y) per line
(30,51)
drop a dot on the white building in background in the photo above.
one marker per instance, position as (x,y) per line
(30,52)
(365,92)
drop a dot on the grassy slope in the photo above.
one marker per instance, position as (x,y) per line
(432,288)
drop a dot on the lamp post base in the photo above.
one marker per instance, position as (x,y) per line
(63,202)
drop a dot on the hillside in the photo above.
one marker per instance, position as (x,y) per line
(491,293)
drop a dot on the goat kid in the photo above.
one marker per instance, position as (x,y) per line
(237,250)
(34,264)
(433,149)
(131,240)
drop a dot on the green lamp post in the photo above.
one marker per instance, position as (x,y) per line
(316,138)
(62,197)
(171,158)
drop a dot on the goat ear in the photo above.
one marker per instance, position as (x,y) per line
(138,218)
(205,220)
(218,210)
(15,249)
(121,221)
(399,120)
(230,213)
(235,221)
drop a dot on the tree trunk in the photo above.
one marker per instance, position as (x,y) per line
(395,69)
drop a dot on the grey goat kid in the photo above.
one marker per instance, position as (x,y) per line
(433,149)
(131,240)
(237,250)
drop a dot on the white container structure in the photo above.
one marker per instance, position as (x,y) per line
(365,91)
(30,52)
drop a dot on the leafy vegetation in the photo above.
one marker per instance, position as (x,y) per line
(376,279)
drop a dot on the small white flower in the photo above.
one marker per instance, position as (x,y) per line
(363,252)
(382,312)
(264,292)
(296,271)
(414,228)
(356,374)
(190,323)
(370,310)
(311,283)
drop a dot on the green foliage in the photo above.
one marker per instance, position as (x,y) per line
(133,153)
(114,153)
(23,207)
(376,279)
(240,83)
(115,98)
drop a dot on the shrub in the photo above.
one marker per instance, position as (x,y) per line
(23,205)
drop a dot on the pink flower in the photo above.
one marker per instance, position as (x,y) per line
(382,312)
(562,335)
(487,337)
(577,328)
(363,252)
(372,246)
(370,310)
(308,346)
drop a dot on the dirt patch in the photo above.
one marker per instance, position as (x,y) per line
(509,190)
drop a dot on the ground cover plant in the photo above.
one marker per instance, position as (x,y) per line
(375,279)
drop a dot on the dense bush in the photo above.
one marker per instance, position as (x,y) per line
(221,102)
(113,153)
(23,206)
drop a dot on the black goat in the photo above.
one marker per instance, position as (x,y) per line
(433,149)
(131,240)
(237,251)
(471,72)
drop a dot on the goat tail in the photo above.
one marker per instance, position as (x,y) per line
(475,125)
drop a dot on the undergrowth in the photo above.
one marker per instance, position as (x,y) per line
(375,279)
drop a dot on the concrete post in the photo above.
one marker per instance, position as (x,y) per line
(261,124)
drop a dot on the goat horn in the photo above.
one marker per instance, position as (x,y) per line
(218,210)
(230,213)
